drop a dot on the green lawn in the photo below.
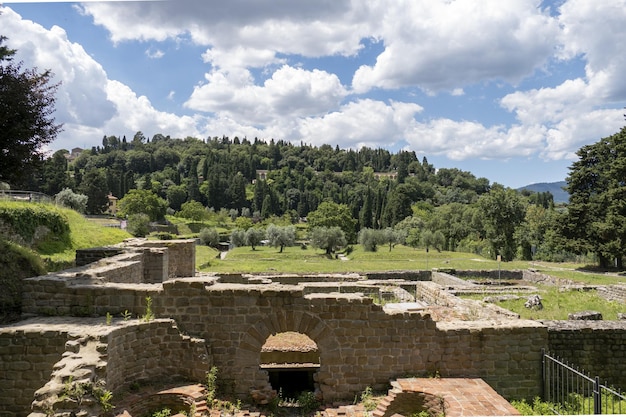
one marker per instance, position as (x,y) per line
(296,260)
(557,304)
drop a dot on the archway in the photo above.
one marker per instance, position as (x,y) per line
(291,360)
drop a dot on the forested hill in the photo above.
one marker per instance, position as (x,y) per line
(557,189)
(287,178)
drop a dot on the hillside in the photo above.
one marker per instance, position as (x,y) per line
(556,188)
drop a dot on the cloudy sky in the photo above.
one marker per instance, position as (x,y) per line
(508,90)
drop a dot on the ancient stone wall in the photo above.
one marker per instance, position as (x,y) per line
(181,254)
(359,344)
(598,347)
(27,357)
(153,352)
(90,255)
(52,295)
(613,292)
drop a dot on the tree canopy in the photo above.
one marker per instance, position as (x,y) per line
(26,122)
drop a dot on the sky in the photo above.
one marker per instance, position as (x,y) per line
(508,90)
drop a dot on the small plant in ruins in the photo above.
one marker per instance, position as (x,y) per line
(126,315)
(307,402)
(367,399)
(211,385)
(109,318)
(149,314)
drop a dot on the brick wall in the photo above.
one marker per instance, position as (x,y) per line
(26,361)
(598,347)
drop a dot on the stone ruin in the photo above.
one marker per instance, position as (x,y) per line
(138,316)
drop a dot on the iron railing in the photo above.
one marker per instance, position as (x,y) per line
(25,196)
(572,391)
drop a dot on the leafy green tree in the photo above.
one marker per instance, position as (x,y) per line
(281,236)
(595,220)
(138,224)
(143,201)
(431,239)
(176,196)
(209,236)
(328,238)
(26,123)
(55,173)
(238,237)
(70,199)
(503,211)
(369,239)
(330,214)
(193,210)
(94,186)
(392,237)
(254,236)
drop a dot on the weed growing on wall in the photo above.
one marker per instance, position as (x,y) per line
(211,384)
(149,314)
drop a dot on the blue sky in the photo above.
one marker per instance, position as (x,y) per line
(508,90)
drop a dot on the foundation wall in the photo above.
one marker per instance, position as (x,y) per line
(154,352)
(27,358)
(359,344)
(597,347)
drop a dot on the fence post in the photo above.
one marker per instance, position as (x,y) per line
(543,374)
(597,396)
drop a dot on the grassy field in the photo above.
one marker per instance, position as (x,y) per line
(296,260)
(557,304)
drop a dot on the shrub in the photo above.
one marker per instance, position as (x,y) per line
(138,224)
(209,236)
(70,199)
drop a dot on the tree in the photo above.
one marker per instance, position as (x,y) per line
(26,122)
(143,201)
(69,198)
(238,237)
(281,236)
(193,210)
(330,214)
(328,238)
(595,220)
(176,196)
(138,224)
(254,236)
(209,236)
(369,239)
(503,211)
(94,186)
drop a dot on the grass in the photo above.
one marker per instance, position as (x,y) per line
(557,304)
(84,234)
(266,259)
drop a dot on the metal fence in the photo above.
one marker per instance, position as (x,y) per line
(572,391)
(25,196)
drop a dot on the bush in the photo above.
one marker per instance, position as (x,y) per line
(209,237)
(70,199)
(26,218)
(138,225)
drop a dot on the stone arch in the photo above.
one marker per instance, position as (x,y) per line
(281,321)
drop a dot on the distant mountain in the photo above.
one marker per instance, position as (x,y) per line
(556,188)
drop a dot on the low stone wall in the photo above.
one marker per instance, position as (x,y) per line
(598,347)
(447,280)
(404,275)
(51,295)
(154,352)
(489,273)
(87,256)
(613,293)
